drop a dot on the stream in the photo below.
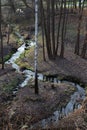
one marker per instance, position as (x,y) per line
(28,73)
(58,114)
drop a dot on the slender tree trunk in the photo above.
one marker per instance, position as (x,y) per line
(36,46)
(84,49)
(63,31)
(59,25)
(42,26)
(79,28)
(1,37)
(43,44)
(48,28)
(45,28)
(2,57)
(66,21)
(8,36)
(53,26)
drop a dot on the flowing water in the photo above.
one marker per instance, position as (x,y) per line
(28,73)
(58,114)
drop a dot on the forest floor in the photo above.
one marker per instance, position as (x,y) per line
(26,108)
(17,113)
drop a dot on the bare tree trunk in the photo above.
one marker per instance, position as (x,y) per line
(43,43)
(42,26)
(36,46)
(48,29)
(2,57)
(8,36)
(83,53)
(79,28)
(1,37)
(45,28)
(66,20)
(53,26)
(59,25)
(63,31)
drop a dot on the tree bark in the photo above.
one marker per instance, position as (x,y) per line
(84,49)
(59,25)
(79,28)
(36,46)
(53,26)
(42,27)
(63,31)
(48,28)
(1,37)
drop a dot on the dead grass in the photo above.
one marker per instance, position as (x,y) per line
(28,108)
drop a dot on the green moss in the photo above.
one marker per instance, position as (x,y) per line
(25,63)
(19,42)
(6,57)
(69,90)
(8,87)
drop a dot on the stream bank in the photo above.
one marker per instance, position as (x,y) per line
(60,110)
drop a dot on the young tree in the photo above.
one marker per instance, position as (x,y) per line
(42,27)
(63,31)
(84,48)
(79,27)
(59,25)
(52,35)
(53,25)
(46,26)
(48,23)
(36,46)
(1,37)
